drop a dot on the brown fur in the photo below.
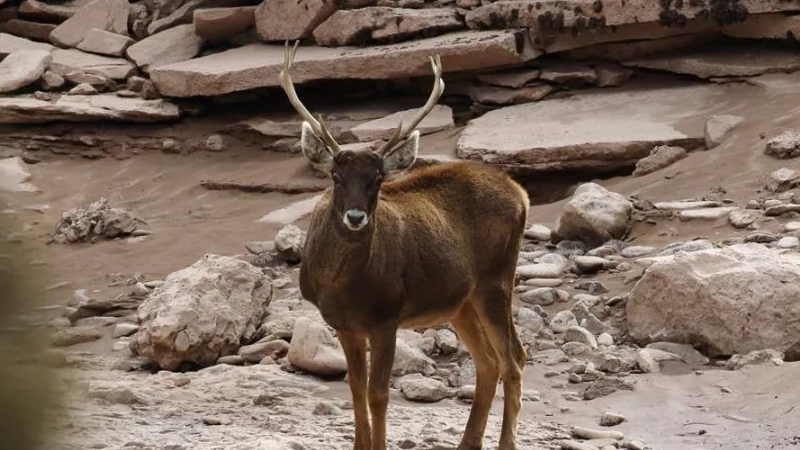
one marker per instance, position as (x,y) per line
(441,245)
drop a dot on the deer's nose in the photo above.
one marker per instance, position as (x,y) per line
(355,218)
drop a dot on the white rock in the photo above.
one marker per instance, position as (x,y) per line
(10,43)
(751,289)
(636,251)
(788,242)
(315,350)
(424,390)
(125,329)
(785,145)
(202,312)
(538,232)
(562,321)
(540,271)
(447,341)
(289,243)
(686,204)
(14,176)
(717,127)
(408,359)
(791,226)
(605,340)
(741,218)
(22,67)
(646,362)
(706,213)
(582,335)
(594,215)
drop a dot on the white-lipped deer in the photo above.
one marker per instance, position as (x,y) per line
(437,245)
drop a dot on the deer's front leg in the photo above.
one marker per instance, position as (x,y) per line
(382,344)
(355,350)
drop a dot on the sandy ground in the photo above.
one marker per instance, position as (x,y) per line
(679,408)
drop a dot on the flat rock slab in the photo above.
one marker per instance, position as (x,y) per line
(43,11)
(582,14)
(220,24)
(440,118)
(592,131)
(109,15)
(28,29)
(707,213)
(66,61)
(10,43)
(258,65)
(166,47)
(721,61)
(85,108)
(105,42)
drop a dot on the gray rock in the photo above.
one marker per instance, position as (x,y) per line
(604,387)
(315,350)
(221,24)
(646,361)
(447,341)
(687,247)
(125,329)
(377,25)
(617,362)
(540,296)
(590,264)
(259,247)
(15,176)
(755,286)
(542,270)
(660,157)
(609,419)
(170,46)
(85,108)
(408,359)
(762,237)
(105,42)
(97,221)
(424,390)
(289,243)
(741,218)
(569,74)
(109,15)
(785,145)
(755,357)
(636,251)
(495,95)
(275,349)
(21,68)
(783,179)
(575,348)
(579,334)
(684,352)
(202,312)
(538,232)
(717,127)
(440,118)
(594,215)
(51,81)
(707,213)
(788,242)
(74,335)
(562,321)
(66,61)
(279,21)
(529,319)
(605,340)
(83,89)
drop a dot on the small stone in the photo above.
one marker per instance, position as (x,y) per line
(589,264)
(121,345)
(83,89)
(541,270)
(593,287)
(605,340)
(588,433)
(540,296)
(575,348)
(582,335)
(314,349)
(761,237)
(140,290)
(706,213)
(604,387)
(259,247)
(215,143)
(741,218)
(562,321)
(125,329)
(610,419)
(424,390)
(327,409)
(544,282)
(447,342)
(783,179)
(660,157)
(466,392)
(75,335)
(289,243)
(717,127)
(791,226)
(538,232)
(529,319)
(785,145)
(788,242)
(684,352)
(231,360)
(756,357)
(646,362)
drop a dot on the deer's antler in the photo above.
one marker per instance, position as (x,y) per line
(402,132)
(318,126)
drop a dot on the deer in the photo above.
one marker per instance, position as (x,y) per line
(437,244)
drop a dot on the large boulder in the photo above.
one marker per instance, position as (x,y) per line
(594,215)
(278,20)
(22,68)
(378,24)
(109,15)
(203,312)
(731,300)
(314,349)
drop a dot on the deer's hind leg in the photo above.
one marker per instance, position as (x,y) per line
(470,331)
(493,304)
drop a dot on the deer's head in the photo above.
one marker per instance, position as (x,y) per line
(358,175)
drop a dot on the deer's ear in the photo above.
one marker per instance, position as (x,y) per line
(314,149)
(404,156)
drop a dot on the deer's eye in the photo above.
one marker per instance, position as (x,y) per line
(336,178)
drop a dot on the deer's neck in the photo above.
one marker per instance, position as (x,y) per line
(341,253)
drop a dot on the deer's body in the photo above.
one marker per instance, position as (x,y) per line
(434,241)
(438,245)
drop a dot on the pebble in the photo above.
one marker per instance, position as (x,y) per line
(125,329)
(602,251)
(447,342)
(544,282)
(588,433)
(121,345)
(636,251)
(761,237)
(575,348)
(562,321)
(231,360)
(592,287)
(571,248)
(646,362)
(788,242)
(685,353)
(215,143)
(541,270)
(605,340)
(140,290)
(154,283)
(423,390)
(538,232)
(589,264)
(706,213)
(741,218)
(609,419)
(582,335)
(791,226)
(466,392)
(327,409)
(682,205)
(74,335)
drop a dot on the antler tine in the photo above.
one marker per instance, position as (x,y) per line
(402,132)
(286,82)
